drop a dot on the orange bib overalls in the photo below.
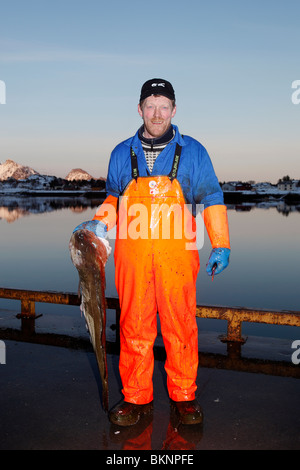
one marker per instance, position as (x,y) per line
(156,271)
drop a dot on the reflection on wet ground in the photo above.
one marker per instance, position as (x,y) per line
(51,399)
(139,437)
(52,389)
(254,354)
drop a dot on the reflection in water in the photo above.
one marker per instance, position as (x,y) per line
(265,253)
(12,208)
(281,206)
(11,215)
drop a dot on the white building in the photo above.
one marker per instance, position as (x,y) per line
(289,185)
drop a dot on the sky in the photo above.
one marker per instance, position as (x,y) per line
(73,71)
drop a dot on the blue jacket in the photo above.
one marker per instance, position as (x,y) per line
(195,173)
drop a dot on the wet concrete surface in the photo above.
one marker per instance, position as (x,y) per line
(51,399)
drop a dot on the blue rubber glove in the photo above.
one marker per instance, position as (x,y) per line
(95,226)
(220,257)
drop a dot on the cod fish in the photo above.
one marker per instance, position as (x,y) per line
(89,256)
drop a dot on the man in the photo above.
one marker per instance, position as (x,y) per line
(156,171)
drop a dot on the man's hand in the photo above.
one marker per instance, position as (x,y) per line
(220,257)
(98,228)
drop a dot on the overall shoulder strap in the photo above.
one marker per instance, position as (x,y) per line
(173,173)
(134,165)
(174,170)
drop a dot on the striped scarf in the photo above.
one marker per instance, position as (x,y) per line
(153,147)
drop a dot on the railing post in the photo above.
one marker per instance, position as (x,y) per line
(27,308)
(27,316)
(234,328)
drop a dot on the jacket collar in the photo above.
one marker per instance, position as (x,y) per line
(136,143)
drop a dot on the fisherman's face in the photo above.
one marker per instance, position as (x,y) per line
(157,112)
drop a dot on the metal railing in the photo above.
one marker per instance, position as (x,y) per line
(236,316)
(233,316)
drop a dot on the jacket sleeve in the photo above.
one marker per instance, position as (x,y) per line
(112,182)
(207,191)
(216,224)
(107,212)
(206,188)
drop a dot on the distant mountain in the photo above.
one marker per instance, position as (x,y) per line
(15,178)
(78,174)
(11,169)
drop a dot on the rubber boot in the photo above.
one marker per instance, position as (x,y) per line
(128,414)
(189,412)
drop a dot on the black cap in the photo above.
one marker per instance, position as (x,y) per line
(157,86)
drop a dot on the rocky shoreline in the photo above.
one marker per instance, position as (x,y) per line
(88,192)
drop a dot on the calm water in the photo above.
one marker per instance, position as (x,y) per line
(263,271)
